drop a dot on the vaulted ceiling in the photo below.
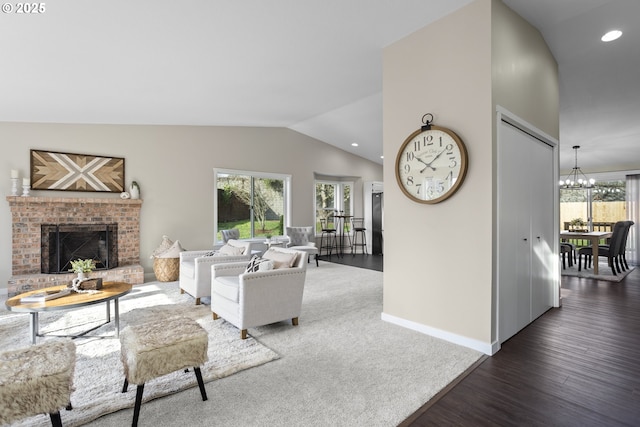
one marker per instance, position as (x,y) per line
(313,66)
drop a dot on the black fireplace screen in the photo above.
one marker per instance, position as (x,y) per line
(63,243)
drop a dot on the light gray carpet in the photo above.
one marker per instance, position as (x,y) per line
(342,366)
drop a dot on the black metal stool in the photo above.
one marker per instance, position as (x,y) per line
(330,234)
(358,228)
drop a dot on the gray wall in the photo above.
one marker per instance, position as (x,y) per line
(174,167)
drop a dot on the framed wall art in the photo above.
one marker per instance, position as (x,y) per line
(76,172)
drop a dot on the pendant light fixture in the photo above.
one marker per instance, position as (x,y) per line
(576,178)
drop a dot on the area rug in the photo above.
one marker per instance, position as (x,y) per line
(99,375)
(341,366)
(604,272)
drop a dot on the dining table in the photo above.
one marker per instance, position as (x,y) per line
(593,237)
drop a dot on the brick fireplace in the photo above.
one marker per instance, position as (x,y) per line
(28,214)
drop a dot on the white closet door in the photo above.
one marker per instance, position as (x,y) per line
(543,235)
(514,308)
(525,230)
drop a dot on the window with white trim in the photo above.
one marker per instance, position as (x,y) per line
(255,203)
(332,198)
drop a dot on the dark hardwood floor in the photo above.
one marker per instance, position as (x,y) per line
(371,262)
(577,365)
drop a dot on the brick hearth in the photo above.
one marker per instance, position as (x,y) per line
(29,213)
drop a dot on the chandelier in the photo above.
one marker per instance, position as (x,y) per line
(576,179)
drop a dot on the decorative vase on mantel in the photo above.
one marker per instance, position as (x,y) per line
(134,190)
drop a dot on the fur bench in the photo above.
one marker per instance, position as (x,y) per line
(158,348)
(37,380)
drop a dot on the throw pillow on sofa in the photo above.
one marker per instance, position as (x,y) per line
(259,264)
(231,250)
(281,259)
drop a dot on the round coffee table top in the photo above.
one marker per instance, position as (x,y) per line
(109,291)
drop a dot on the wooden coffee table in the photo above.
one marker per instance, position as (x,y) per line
(110,291)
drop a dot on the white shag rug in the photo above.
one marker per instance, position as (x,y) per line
(99,374)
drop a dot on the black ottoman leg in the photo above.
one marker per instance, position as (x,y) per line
(56,421)
(136,409)
(203,392)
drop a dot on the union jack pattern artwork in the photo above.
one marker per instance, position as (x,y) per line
(76,172)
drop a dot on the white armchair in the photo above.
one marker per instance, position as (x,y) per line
(227,235)
(303,239)
(258,298)
(195,266)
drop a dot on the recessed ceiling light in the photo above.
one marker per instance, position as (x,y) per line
(611,36)
(354,144)
(382,157)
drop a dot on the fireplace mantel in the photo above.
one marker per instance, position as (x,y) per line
(29,213)
(31,200)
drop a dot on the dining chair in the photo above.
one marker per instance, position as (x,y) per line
(622,258)
(566,249)
(623,251)
(611,251)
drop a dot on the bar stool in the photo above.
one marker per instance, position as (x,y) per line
(358,228)
(344,234)
(330,234)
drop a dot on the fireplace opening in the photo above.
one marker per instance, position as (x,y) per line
(63,243)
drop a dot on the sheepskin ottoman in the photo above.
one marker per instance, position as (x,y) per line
(158,348)
(37,380)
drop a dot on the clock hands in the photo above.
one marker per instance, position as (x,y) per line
(428,165)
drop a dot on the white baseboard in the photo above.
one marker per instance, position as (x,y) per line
(486,348)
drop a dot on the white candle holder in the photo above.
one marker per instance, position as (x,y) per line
(14,186)
(25,190)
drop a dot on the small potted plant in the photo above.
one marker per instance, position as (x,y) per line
(82,266)
(577,224)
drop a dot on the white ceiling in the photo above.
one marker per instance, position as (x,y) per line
(599,82)
(312,66)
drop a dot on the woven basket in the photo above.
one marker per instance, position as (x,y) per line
(166,269)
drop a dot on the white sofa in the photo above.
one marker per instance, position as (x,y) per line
(258,298)
(195,266)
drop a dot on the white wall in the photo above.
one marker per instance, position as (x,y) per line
(439,270)
(174,167)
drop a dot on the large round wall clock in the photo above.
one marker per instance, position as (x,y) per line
(431,164)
